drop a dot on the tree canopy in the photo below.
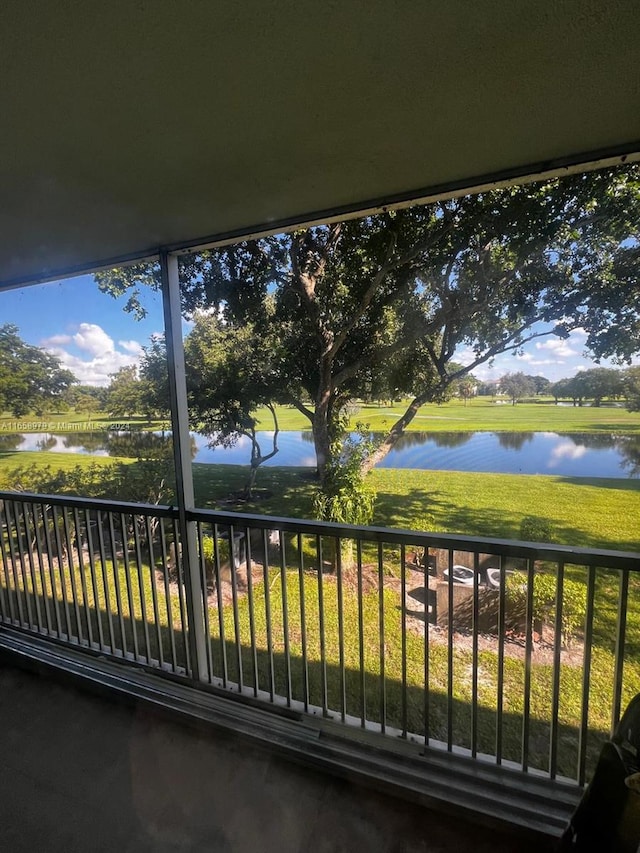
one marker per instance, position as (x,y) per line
(517,385)
(386,303)
(30,377)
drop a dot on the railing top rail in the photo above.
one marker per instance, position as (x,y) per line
(157,510)
(629,561)
(501,547)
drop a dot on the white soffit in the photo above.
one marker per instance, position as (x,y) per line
(131,126)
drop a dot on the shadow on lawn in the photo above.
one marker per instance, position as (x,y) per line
(497,523)
(323,684)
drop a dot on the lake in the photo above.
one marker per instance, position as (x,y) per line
(565,454)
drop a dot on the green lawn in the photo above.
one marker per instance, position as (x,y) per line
(597,513)
(480,414)
(274,648)
(584,512)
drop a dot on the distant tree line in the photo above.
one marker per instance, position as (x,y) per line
(595,384)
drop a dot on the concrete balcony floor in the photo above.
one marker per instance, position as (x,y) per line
(84,773)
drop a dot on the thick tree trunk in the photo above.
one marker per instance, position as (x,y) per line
(393,436)
(320,427)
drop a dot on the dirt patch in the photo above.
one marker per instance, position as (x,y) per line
(417,588)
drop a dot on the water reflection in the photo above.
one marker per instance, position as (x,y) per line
(514,440)
(10,441)
(566,454)
(439,439)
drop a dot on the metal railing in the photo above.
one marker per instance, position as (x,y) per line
(515,653)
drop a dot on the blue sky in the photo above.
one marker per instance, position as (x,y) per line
(92,336)
(87,330)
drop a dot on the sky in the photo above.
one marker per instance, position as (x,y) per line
(93,337)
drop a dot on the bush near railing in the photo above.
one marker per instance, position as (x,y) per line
(574,602)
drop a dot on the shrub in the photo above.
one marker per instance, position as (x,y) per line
(574,601)
(533,528)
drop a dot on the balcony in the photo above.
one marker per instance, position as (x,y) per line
(349,649)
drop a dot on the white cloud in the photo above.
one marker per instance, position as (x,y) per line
(134,347)
(56,340)
(558,347)
(93,339)
(98,356)
(566,450)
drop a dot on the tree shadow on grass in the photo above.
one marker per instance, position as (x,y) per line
(496,523)
(324,687)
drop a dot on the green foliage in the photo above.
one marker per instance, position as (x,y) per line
(574,601)
(376,307)
(631,385)
(30,378)
(148,480)
(517,385)
(533,528)
(345,497)
(124,396)
(209,556)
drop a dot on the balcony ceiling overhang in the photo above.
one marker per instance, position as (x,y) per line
(129,127)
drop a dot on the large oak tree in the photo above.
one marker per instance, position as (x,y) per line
(388,301)
(30,378)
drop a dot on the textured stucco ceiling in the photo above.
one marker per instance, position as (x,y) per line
(128,125)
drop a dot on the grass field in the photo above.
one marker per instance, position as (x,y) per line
(596,513)
(331,651)
(481,414)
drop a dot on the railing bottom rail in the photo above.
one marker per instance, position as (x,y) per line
(485,793)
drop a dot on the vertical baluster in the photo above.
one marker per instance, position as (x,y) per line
(285,617)
(205,599)
(323,652)
(32,569)
(20,589)
(72,574)
(267,611)
(501,631)
(403,641)
(555,690)
(426,697)
(252,616)
(6,605)
(143,597)
(129,586)
(586,676)
(450,653)
(41,569)
(221,629)
(343,686)
(621,631)
(105,581)
(303,626)
(154,591)
(526,709)
(77,535)
(21,534)
(60,560)
(183,606)
(116,583)
(234,599)
(47,527)
(167,595)
(362,673)
(383,687)
(474,654)
(8,609)
(94,577)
